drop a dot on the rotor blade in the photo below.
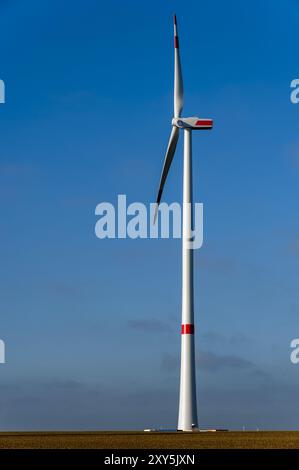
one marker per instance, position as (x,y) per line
(173,140)
(178,79)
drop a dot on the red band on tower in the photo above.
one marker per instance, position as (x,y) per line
(188,329)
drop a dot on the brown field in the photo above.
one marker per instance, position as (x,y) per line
(155,440)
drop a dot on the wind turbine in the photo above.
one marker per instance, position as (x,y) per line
(187,404)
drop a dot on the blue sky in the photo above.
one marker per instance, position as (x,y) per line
(91,326)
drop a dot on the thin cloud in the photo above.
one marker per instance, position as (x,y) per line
(210,361)
(237,339)
(293,246)
(221,265)
(17,170)
(149,325)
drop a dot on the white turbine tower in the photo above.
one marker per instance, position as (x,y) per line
(187,404)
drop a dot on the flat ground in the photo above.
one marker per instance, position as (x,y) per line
(154,440)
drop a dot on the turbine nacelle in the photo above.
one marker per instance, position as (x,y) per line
(194,123)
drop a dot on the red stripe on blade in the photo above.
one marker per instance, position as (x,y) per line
(188,329)
(176,42)
(204,122)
